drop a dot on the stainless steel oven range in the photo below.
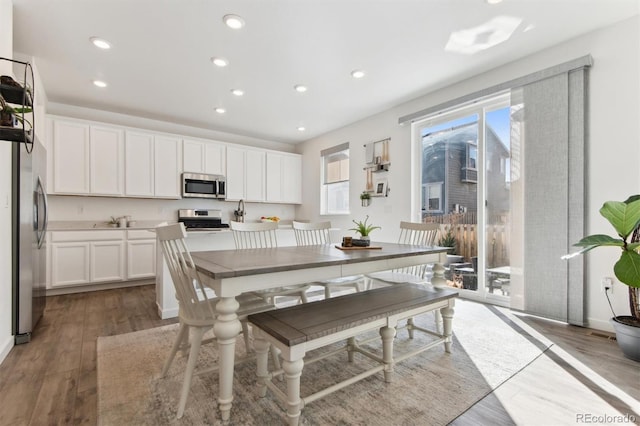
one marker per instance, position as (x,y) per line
(202,220)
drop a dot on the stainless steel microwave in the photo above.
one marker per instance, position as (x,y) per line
(195,185)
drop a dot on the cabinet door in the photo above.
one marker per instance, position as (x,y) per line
(214,155)
(254,175)
(235,173)
(139,164)
(106,161)
(291,179)
(193,156)
(141,259)
(70,157)
(107,261)
(167,162)
(69,264)
(274,178)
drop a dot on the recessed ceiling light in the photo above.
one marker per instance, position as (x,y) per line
(99,83)
(300,88)
(233,21)
(237,92)
(102,44)
(301,129)
(493,1)
(357,73)
(220,110)
(220,62)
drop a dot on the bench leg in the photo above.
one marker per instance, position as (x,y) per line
(292,373)
(351,343)
(387,334)
(261,346)
(410,327)
(447,317)
(438,318)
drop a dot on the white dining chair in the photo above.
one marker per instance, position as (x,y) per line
(197,312)
(319,233)
(258,235)
(423,234)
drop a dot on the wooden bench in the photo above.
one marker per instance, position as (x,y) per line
(299,329)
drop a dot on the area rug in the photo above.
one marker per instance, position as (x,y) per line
(432,388)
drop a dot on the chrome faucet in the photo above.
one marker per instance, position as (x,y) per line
(239,213)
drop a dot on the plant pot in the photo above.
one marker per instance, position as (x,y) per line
(365,202)
(628,337)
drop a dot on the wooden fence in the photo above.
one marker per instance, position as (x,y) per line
(497,236)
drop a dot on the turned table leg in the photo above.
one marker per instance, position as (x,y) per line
(226,328)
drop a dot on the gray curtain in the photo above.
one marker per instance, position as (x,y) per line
(552,120)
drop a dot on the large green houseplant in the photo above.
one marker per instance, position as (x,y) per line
(625,219)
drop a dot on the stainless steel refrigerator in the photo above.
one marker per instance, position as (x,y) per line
(29,229)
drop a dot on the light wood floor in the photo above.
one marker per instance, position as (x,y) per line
(52,380)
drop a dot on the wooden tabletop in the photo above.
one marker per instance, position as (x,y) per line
(220,264)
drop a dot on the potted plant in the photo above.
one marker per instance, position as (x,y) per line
(8,114)
(625,219)
(363,228)
(365,198)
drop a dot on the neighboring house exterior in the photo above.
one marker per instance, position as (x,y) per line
(450,171)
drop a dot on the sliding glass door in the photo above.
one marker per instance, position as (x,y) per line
(465,187)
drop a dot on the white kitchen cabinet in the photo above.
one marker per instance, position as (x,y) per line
(70,264)
(245,174)
(167,160)
(203,157)
(235,173)
(283,178)
(152,165)
(70,157)
(106,162)
(100,256)
(82,257)
(107,261)
(141,254)
(139,161)
(255,175)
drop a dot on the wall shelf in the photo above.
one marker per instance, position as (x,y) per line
(17,100)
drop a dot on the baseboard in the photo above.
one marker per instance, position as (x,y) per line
(598,324)
(97,287)
(167,313)
(5,347)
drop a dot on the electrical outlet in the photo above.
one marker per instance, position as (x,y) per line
(606,284)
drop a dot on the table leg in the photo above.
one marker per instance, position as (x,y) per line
(447,317)
(438,279)
(226,328)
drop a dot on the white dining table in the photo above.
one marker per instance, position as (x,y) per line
(233,272)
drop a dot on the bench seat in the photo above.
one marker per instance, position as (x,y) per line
(299,329)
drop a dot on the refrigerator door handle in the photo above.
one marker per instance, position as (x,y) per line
(42,234)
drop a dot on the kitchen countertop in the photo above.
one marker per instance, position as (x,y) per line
(89,225)
(93,225)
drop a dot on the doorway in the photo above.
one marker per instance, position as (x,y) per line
(465,174)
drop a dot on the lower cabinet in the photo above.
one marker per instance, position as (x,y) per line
(141,255)
(100,256)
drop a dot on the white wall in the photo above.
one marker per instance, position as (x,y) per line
(6,337)
(613,150)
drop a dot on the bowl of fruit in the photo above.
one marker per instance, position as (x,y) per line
(269,219)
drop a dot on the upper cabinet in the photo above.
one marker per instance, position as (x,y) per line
(70,157)
(152,165)
(283,178)
(246,174)
(203,157)
(106,160)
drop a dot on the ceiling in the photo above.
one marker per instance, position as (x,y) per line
(160,65)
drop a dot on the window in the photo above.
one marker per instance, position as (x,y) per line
(472,155)
(432,197)
(335,180)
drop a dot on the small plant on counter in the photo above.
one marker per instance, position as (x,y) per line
(365,195)
(363,228)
